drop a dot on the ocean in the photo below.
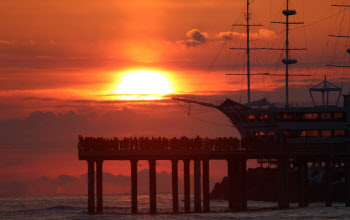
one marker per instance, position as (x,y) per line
(118,207)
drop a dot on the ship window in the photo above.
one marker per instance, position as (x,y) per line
(267,117)
(339,133)
(310,133)
(279,116)
(311,116)
(288,116)
(326,133)
(291,133)
(251,117)
(339,115)
(255,133)
(294,133)
(270,133)
(261,117)
(299,116)
(286,133)
(326,116)
(262,133)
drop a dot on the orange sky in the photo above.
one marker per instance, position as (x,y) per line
(49,47)
(62,62)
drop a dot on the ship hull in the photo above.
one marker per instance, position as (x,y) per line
(289,129)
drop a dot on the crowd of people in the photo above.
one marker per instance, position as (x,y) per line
(146,143)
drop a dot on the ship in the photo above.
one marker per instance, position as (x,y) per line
(323,127)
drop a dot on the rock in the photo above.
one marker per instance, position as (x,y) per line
(263,185)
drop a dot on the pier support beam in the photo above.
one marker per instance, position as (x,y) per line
(152,186)
(243,183)
(237,183)
(91,186)
(329,190)
(347,182)
(197,186)
(175,187)
(230,175)
(303,182)
(234,201)
(283,165)
(187,198)
(206,192)
(99,188)
(134,186)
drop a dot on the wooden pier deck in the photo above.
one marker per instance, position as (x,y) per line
(95,152)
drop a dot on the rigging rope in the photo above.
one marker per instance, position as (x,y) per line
(319,21)
(207,122)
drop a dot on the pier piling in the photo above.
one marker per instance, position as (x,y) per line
(134,186)
(99,189)
(175,178)
(283,165)
(243,182)
(234,172)
(328,184)
(187,198)
(303,182)
(206,199)
(237,185)
(152,186)
(231,183)
(91,186)
(197,186)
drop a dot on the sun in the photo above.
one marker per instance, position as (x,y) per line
(143,84)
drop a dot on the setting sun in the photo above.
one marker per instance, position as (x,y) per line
(143,84)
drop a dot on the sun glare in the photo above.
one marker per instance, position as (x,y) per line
(143,84)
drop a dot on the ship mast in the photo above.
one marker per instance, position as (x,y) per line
(288,61)
(248,48)
(287,53)
(247,17)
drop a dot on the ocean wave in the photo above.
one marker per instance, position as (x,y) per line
(63,208)
(109,208)
(53,208)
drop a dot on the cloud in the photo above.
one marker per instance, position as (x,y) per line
(6,42)
(45,143)
(12,163)
(113,179)
(49,131)
(61,180)
(195,37)
(14,188)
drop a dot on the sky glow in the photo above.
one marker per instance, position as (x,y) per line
(110,68)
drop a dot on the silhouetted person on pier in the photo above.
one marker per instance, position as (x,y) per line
(163,143)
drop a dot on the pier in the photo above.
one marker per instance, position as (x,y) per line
(184,150)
